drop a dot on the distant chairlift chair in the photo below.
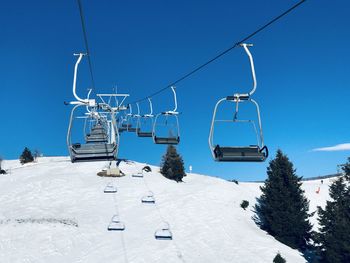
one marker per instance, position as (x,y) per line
(251,153)
(172,138)
(122,125)
(98,134)
(145,118)
(131,119)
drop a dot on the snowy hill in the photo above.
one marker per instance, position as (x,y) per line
(56,211)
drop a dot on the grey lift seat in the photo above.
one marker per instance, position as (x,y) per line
(93,151)
(240,154)
(166,140)
(144,134)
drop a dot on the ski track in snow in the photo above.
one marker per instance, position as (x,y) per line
(56,211)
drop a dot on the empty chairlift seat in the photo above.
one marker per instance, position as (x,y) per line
(96,137)
(146,121)
(164,233)
(240,154)
(132,129)
(249,153)
(166,140)
(116,224)
(144,134)
(93,151)
(172,127)
(122,129)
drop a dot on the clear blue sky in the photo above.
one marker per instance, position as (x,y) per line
(141,46)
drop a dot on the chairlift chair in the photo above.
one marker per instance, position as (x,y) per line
(171,138)
(93,151)
(250,153)
(141,132)
(97,135)
(122,126)
(164,233)
(131,119)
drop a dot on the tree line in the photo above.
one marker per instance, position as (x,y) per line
(282,210)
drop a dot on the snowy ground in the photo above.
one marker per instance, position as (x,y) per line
(56,211)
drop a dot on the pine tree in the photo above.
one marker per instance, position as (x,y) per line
(279,259)
(26,156)
(172,166)
(282,209)
(334,236)
(1,170)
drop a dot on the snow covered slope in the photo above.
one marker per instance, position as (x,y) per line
(56,211)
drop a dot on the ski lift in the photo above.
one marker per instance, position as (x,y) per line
(143,120)
(250,153)
(131,119)
(92,151)
(123,126)
(116,224)
(148,198)
(173,136)
(164,233)
(98,134)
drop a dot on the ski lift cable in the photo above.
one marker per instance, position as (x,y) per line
(86,42)
(237,44)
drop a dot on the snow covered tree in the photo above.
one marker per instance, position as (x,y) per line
(172,166)
(26,156)
(334,235)
(282,209)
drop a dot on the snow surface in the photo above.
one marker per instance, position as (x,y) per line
(56,211)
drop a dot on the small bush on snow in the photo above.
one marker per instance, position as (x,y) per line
(244,204)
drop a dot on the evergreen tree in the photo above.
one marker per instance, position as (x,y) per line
(244,204)
(1,170)
(172,166)
(334,236)
(282,209)
(26,156)
(279,259)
